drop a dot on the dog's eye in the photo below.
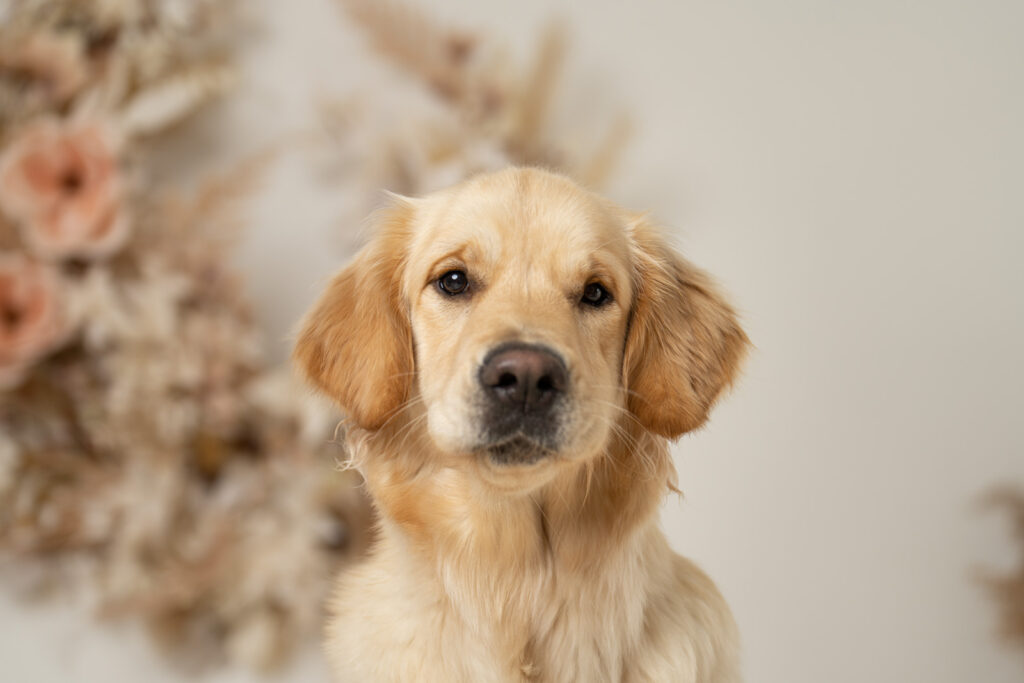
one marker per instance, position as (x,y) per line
(453,282)
(595,295)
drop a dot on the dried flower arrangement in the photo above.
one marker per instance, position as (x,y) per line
(482,110)
(1008,590)
(150,458)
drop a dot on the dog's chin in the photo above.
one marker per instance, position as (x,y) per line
(517,465)
(517,450)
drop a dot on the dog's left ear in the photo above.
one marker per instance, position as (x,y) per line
(356,343)
(684,344)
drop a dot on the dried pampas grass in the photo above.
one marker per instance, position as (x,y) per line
(1008,589)
(488,111)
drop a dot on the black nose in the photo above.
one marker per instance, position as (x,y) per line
(524,375)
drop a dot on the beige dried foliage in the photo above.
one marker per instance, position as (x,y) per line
(155,463)
(406,35)
(1008,590)
(493,112)
(531,109)
(173,99)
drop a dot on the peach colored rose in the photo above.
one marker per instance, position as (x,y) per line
(31,315)
(50,68)
(61,183)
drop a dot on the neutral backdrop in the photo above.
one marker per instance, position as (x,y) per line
(853,174)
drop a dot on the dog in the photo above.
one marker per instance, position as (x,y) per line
(513,355)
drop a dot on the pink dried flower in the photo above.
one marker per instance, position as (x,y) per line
(31,316)
(61,183)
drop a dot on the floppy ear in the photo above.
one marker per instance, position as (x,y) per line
(356,342)
(684,345)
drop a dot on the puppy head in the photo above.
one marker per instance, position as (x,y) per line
(522,321)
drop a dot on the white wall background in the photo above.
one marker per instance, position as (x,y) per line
(854,174)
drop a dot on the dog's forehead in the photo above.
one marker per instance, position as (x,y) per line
(514,216)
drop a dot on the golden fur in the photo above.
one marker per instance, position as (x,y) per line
(549,571)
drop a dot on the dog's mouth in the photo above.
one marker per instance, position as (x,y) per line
(519,450)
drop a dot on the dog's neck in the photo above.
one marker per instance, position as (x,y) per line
(568,525)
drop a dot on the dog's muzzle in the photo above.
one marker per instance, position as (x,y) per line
(523,387)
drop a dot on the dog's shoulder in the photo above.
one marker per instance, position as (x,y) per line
(387,623)
(689,634)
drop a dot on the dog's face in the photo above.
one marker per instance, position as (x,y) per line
(521,321)
(519,299)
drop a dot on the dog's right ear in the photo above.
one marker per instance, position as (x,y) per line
(356,343)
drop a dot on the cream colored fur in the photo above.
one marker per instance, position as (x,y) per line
(553,571)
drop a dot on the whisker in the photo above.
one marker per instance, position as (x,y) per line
(621,410)
(618,387)
(649,464)
(350,463)
(401,409)
(407,431)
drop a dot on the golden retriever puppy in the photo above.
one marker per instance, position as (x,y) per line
(513,355)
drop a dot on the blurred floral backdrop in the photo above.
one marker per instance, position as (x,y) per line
(151,459)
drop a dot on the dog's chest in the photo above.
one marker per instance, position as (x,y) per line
(586,637)
(543,628)
(550,626)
